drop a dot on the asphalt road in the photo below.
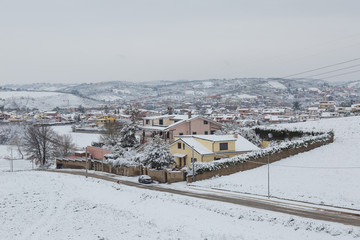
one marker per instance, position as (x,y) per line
(330,215)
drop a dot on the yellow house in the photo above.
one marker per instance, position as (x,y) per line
(206,148)
(105,119)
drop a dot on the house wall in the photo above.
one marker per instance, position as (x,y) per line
(231,146)
(166,122)
(196,125)
(97,153)
(214,126)
(187,151)
(208,144)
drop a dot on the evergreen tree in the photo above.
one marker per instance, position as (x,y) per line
(157,155)
(127,136)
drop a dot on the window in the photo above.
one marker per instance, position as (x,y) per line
(206,122)
(206,133)
(194,133)
(161,121)
(183,146)
(195,159)
(223,146)
(179,145)
(147,121)
(181,134)
(212,132)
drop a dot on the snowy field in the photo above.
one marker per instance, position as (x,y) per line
(41,205)
(40,100)
(326,175)
(81,140)
(18,164)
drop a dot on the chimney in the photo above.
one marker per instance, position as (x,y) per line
(189,114)
(235,135)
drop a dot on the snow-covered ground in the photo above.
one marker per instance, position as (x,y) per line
(42,205)
(326,175)
(40,100)
(276,84)
(10,152)
(81,140)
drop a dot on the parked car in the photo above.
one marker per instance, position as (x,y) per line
(145,179)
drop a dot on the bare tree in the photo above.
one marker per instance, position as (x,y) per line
(18,142)
(64,145)
(39,143)
(111,133)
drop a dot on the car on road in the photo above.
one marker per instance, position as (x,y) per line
(145,179)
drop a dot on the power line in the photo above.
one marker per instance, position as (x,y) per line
(332,71)
(341,74)
(332,65)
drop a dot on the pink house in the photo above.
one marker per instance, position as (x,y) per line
(97,153)
(169,126)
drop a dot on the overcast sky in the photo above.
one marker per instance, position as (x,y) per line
(104,40)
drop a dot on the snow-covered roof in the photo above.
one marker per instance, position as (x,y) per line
(243,145)
(157,128)
(179,155)
(197,146)
(158,117)
(216,138)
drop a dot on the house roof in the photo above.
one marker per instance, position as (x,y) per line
(190,119)
(197,146)
(244,145)
(212,138)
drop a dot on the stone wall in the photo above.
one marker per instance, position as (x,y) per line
(70,164)
(175,176)
(256,162)
(158,175)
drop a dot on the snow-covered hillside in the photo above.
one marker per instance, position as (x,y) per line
(329,174)
(50,206)
(42,100)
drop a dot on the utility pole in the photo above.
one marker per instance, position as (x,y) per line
(86,156)
(193,165)
(12,161)
(270,136)
(268,175)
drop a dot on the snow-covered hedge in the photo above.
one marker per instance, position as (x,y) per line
(279,132)
(307,139)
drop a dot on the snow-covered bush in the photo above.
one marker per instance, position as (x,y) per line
(250,135)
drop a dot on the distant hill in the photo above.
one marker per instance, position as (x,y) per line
(120,92)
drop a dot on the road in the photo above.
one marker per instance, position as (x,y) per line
(306,211)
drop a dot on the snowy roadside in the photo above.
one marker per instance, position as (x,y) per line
(40,205)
